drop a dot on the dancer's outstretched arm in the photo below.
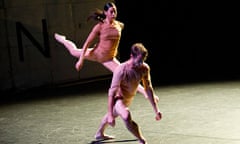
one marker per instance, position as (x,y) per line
(91,37)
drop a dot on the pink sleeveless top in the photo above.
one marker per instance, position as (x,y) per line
(110,35)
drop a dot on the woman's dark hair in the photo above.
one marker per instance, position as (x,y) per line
(98,14)
(139,49)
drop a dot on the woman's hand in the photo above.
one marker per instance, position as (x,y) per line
(79,65)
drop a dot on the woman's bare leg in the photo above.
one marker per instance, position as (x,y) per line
(72,48)
(111,65)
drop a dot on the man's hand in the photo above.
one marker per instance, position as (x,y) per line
(111,120)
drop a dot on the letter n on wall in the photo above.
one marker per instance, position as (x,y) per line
(45,50)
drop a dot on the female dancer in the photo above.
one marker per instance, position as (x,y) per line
(108,32)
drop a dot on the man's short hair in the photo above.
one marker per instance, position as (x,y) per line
(139,49)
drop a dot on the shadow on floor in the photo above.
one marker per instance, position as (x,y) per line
(111,141)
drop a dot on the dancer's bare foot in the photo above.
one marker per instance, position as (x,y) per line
(104,137)
(59,38)
(142,141)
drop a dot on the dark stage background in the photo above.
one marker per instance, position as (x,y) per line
(187,41)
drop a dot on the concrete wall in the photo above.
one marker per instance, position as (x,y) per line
(45,62)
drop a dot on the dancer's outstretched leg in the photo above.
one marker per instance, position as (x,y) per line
(141,90)
(72,48)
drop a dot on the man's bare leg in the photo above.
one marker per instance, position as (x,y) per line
(72,48)
(135,130)
(132,126)
(100,132)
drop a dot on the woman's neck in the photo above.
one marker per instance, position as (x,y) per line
(110,21)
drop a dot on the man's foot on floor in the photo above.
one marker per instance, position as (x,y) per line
(104,137)
(143,141)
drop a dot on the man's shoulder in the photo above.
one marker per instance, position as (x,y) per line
(121,67)
(146,65)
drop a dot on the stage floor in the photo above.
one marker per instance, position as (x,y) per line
(199,113)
